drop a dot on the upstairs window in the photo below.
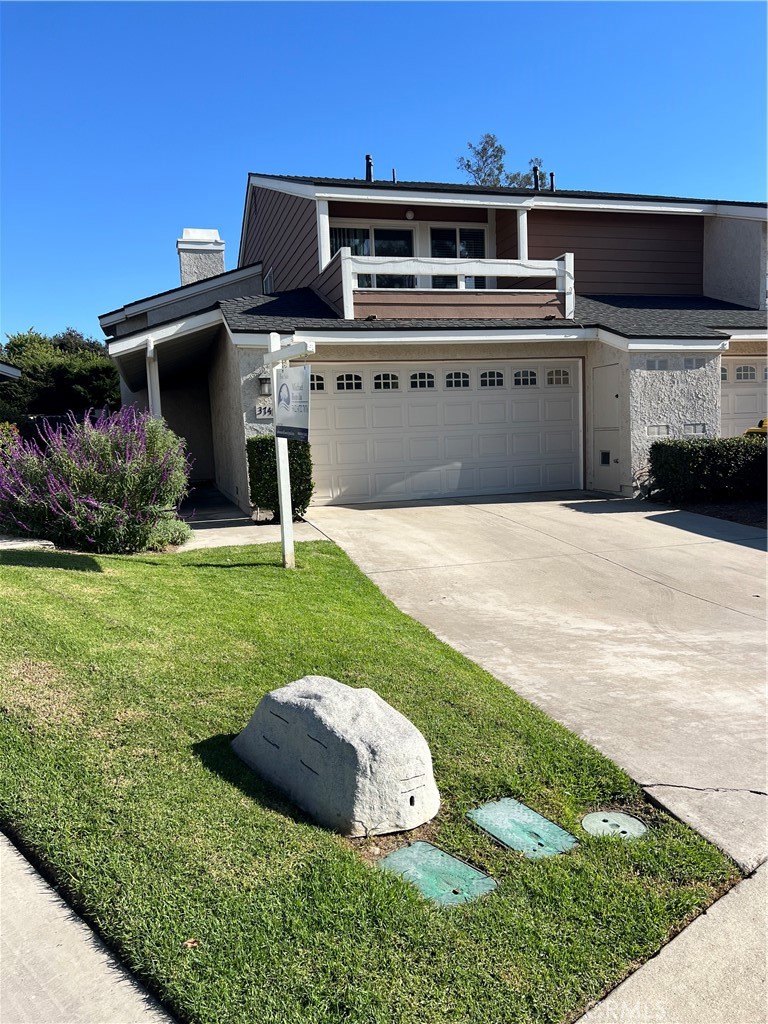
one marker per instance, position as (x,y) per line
(746,373)
(558,378)
(457,379)
(491,379)
(694,362)
(349,382)
(723,372)
(457,243)
(657,364)
(316,382)
(383,242)
(524,378)
(422,380)
(386,382)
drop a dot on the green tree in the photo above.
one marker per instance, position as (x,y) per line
(485,165)
(66,372)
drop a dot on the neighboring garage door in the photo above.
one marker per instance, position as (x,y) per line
(394,431)
(743,393)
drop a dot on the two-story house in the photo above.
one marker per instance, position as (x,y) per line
(469,340)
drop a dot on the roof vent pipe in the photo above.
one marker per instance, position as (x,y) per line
(394,176)
(368,167)
(551,181)
(536,178)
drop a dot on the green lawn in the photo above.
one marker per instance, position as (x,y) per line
(123,682)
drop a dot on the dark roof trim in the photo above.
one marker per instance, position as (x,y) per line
(481,190)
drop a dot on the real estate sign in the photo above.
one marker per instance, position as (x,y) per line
(291,403)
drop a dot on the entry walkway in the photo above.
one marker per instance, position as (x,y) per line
(216,523)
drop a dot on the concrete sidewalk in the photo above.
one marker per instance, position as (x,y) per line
(55,970)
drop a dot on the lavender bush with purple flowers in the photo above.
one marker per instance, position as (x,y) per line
(110,485)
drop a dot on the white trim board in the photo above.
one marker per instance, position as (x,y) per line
(158,335)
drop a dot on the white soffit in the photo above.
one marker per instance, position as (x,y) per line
(156,336)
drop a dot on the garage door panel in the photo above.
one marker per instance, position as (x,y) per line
(461,479)
(420,448)
(349,417)
(526,443)
(423,414)
(492,412)
(352,486)
(429,482)
(559,475)
(411,444)
(388,450)
(459,447)
(559,409)
(391,485)
(492,444)
(351,453)
(527,476)
(556,442)
(457,414)
(387,414)
(747,403)
(525,410)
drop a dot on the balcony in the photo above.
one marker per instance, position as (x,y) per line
(405,287)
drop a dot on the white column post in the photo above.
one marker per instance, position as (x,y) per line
(570,285)
(522,234)
(153,381)
(283,473)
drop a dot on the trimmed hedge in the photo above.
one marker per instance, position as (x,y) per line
(262,474)
(708,469)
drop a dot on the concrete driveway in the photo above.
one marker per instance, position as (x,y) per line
(639,628)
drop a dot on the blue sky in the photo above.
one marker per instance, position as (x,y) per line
(123,123)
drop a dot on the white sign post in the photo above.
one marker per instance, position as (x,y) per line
(295,418)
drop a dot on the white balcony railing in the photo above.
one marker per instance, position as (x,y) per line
(422,269)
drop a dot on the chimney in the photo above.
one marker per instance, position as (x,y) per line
(551,181)
(368,167)
(536,178)
(201,254)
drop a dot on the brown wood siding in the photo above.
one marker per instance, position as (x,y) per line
(386,303)
(282,235)
(391,211)
(506,235)
(330,285)
(622,253)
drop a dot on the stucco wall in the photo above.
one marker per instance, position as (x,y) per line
(599,354)
(227,423)
(735,261)
(138,398)
(670,398)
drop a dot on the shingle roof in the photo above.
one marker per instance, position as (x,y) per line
(630,316)
(442,186)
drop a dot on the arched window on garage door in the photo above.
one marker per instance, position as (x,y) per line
(746,373)
(422,380)
(525,378)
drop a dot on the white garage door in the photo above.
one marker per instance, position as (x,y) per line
(743,393)
(422,430)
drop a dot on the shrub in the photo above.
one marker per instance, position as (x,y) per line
(708,469)
(262,474)
(110,485)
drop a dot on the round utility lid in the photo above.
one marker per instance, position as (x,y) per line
(613,823)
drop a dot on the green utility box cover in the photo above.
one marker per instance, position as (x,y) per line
(437,875)
(518,827)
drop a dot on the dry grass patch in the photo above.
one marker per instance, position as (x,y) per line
(39,690)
